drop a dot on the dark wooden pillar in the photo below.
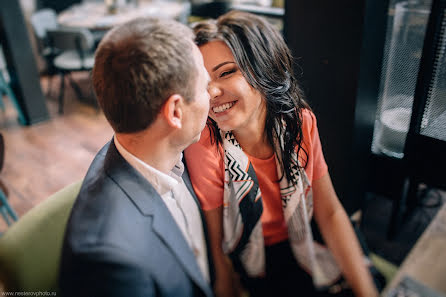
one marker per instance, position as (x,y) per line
(21,63)
(338,46)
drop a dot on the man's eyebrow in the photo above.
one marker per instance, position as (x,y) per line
(221,64)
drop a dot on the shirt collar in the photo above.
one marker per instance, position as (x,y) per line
(161,181)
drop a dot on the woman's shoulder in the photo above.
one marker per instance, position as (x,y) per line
(206,170)
(308,120)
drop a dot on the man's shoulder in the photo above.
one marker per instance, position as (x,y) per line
(101,207)
(98,162)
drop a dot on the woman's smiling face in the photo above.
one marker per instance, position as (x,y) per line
(234,102)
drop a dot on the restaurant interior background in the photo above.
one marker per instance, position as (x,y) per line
(372,70)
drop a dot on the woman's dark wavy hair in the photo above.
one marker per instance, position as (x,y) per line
(267,64)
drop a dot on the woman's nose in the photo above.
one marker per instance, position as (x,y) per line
(214,90)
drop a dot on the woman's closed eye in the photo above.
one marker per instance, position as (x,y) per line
(228,72)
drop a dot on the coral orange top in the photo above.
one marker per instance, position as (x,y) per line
(206,168)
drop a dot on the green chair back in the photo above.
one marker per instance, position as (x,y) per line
(31,248)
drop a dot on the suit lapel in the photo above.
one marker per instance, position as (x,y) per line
(189,186)
(150,203)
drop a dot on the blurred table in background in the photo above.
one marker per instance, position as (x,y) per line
(95,16)
(426,262)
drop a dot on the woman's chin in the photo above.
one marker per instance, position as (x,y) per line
(224,127)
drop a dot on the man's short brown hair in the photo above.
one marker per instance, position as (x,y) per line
(138,65)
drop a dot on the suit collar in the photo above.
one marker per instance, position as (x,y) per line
(149,203)
(162,182)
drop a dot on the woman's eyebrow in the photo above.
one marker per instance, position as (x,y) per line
(221,64)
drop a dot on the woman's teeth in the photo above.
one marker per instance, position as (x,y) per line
(223,107)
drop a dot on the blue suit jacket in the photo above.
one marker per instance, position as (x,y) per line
(121,239)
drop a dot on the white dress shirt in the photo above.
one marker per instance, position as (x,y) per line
(178,200)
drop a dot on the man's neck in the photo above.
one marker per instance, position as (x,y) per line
(151,149)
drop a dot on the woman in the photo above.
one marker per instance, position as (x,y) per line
(260,174)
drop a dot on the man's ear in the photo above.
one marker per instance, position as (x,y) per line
(172,111)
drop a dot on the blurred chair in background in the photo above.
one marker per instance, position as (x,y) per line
(76,46)
(42,21)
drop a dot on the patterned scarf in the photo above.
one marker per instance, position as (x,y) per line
(243,236)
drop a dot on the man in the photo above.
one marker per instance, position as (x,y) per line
(135,228)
